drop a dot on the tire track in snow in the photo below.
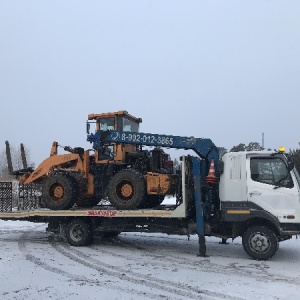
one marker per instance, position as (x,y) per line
(25,238)
(175,288)
(256,270)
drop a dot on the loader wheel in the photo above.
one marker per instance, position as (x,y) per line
(260,242)
(126,189)
(79,232)
(59,192)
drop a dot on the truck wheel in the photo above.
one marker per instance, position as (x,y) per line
(59,192)
(79,232)
(126,189)
(260,242)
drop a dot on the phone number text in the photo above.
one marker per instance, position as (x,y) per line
(143,138)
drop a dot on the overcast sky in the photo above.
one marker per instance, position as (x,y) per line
(224,70)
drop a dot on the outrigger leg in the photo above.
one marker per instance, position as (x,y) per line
(202,245)
(199,209)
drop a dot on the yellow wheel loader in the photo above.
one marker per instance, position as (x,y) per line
(127,175)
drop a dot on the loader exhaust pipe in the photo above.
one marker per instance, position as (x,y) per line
(8,157)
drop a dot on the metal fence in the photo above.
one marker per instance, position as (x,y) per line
(6,196)
(19,196)
(29,196)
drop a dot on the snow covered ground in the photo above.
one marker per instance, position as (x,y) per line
(39,265)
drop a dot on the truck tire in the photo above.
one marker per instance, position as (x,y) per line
(79,232)
(59,192)
(260,242)
(127,189)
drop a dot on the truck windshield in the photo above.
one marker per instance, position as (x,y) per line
(270,171)
(130,125)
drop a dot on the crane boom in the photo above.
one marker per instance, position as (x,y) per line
(204,148)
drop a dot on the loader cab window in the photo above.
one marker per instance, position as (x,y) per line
(271,171)
(107,151)
(107,124)
(129,125)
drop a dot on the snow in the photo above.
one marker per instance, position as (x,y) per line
(36,264)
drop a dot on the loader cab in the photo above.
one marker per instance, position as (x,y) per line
(119,121)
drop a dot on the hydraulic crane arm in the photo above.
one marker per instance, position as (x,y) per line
(205,148)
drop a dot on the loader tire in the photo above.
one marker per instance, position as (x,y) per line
(127,189)
(260,242)
(59,192)
(79,232)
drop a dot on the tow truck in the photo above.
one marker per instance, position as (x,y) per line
(252,194)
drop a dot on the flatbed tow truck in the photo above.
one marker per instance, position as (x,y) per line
(254,194)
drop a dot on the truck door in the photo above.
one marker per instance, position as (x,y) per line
(271,186)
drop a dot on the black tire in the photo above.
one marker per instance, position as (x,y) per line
(260,242)
(127,189)
(153,201)
(59,192)
(82,199)
(79,232)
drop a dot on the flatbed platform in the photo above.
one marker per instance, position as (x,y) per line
(164,211)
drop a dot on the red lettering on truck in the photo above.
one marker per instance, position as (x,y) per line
(102,213)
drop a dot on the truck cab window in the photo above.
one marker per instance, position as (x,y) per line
(271,171)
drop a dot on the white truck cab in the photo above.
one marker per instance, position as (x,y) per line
(260,193)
